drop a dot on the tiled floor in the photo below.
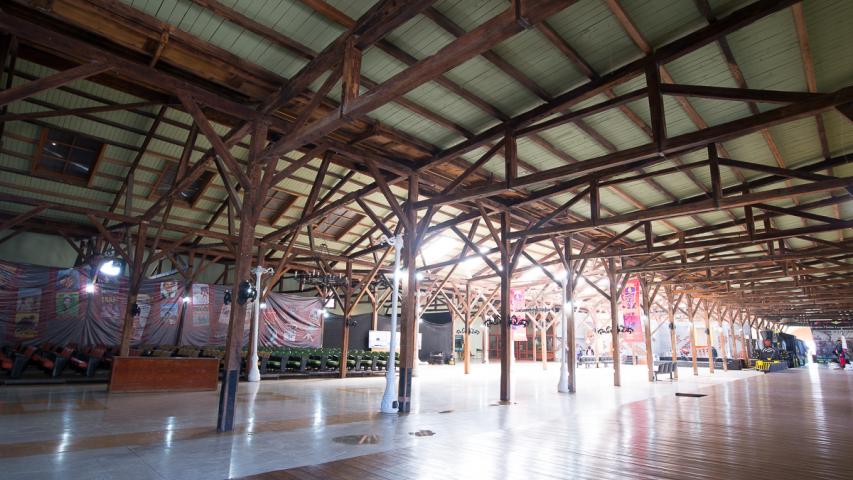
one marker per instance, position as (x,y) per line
(82,432)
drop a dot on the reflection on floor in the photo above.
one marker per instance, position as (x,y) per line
(749,423)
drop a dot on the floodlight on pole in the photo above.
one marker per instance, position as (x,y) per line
(254,373)
(111,268)
(389,403)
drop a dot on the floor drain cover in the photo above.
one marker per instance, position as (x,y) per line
(357,439)
(695,395)
(445,411)
(422,433)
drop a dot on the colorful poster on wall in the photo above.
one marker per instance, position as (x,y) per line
(168,290)
(169,312)
(201,316)
(29,300)
(67,305)
(225,314)
(112,305)
(68,280)
(139,322)
(26,325)
(201,294)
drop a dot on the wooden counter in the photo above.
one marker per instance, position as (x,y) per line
(164,374)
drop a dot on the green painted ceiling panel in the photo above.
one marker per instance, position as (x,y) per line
(830,38)
(573,141)
(768,53)
(839,132)
(596,35)
(468,14)
(492,85)
(534,55)
(663,22)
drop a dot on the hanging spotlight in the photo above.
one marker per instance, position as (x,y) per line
(90,288)
(186,299)
(226,299)
(246,293)
(263,305)
(135,310)
(111,267)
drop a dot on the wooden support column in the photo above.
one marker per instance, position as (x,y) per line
(647,326)
(252,199)
(348,308)
(505,327)
(569,303)
(408,327)
(671,308)
(137,269)
(614,320)
(708,335)
(691,314)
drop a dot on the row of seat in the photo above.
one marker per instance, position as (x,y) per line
(54,359)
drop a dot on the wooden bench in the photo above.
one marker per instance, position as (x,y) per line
(666,367)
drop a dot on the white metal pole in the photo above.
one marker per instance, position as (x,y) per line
(254,373)
(563,386)
(389,403)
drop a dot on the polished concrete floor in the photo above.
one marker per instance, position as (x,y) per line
(747,424)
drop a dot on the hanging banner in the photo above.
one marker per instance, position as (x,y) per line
(516,312)
(632,313)
(49,305)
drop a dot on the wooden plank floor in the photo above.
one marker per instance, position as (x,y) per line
(794,424)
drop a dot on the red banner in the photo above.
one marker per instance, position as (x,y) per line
(631,310)
(516,303)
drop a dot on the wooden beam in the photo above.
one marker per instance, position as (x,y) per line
(52,81)
(742,94)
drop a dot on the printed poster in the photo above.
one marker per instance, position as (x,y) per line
(29,300)
(144,302)
(201,316)
(201,294)
(68,280)
(67,305)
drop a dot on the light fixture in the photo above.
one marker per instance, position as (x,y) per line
(419,275)
(263,305)
(322,312)
(135,310)
(186,299)
(246,293)
(111,268)
(483,250)
(226,298)
(90,288)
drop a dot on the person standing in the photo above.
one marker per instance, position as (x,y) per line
(840,354)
